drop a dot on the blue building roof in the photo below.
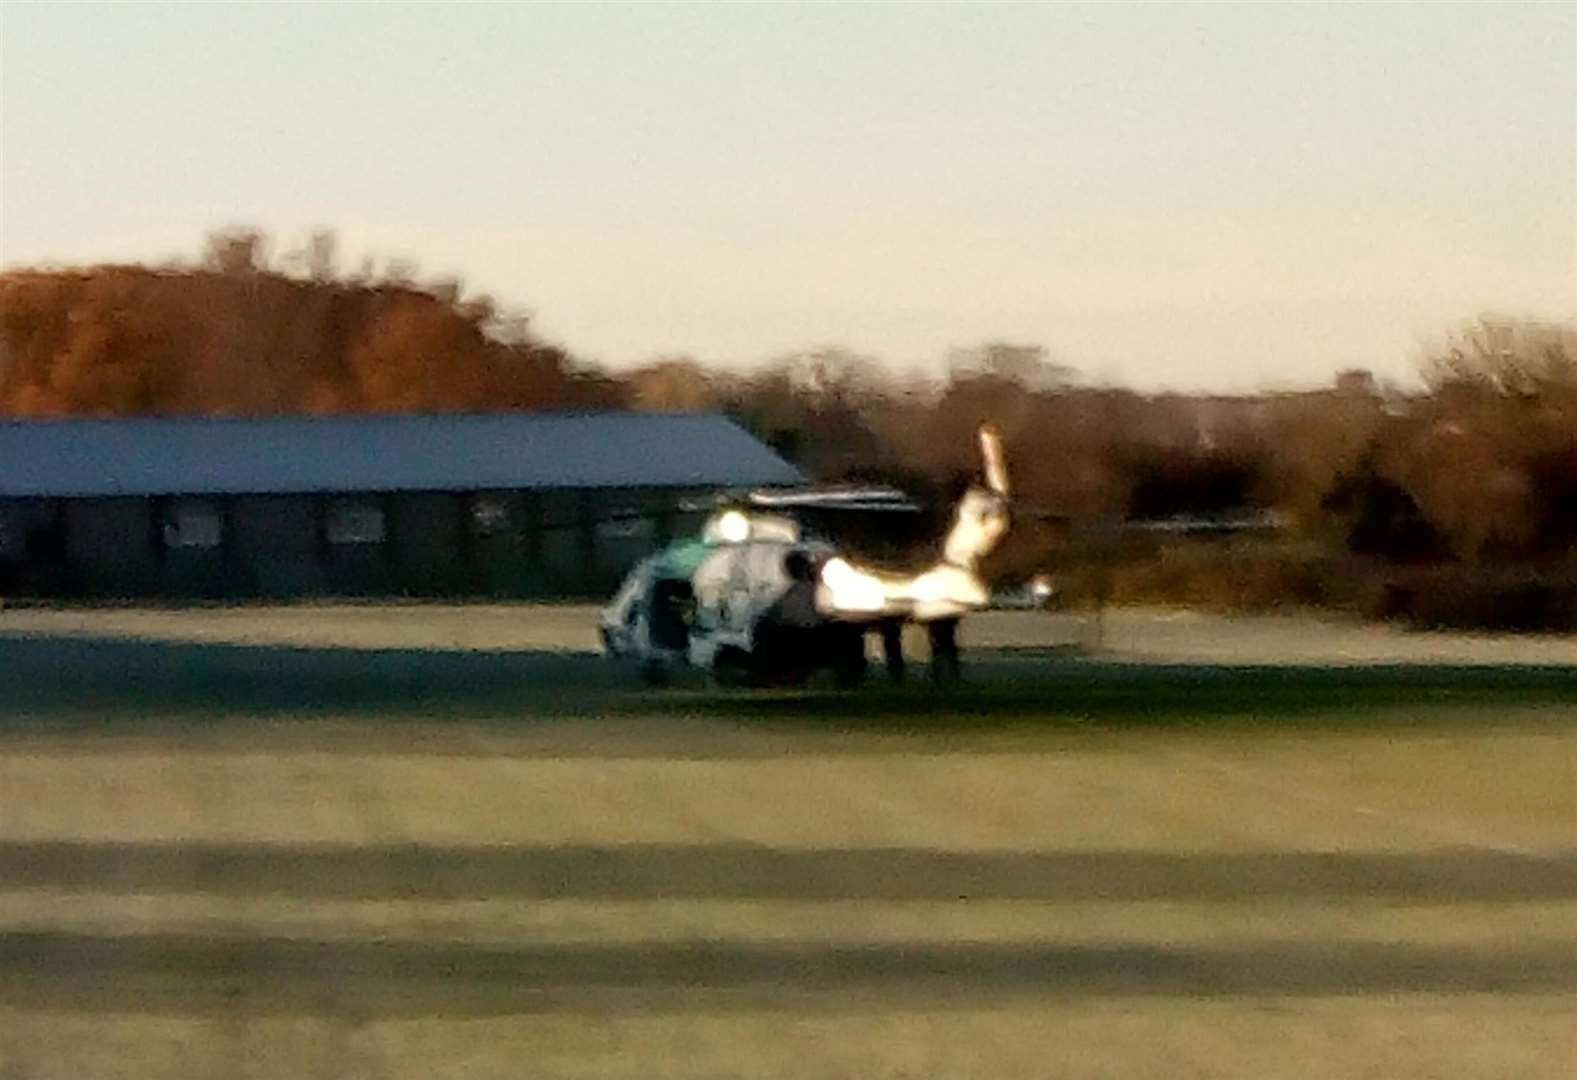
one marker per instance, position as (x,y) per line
(293,455)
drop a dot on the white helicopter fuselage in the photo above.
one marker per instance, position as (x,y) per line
(760,596)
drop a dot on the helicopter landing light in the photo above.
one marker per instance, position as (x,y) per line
(733,527)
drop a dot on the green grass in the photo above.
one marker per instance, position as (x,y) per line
(285,861)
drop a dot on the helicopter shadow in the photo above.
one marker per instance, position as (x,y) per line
(100,682)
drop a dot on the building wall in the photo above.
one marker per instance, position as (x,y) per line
(274,545)
(429,543)
(111,547)
(32,547)
(507,544)
(192,535)
(501,545)
(562,554)
(355,545)
(589,540)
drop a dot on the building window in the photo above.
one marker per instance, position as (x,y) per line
(626,523)
(193,524)
(491,515)
(354,521)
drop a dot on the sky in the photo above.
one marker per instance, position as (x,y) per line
(1193,197)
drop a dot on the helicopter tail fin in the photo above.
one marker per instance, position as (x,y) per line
(994,461)
(981,519)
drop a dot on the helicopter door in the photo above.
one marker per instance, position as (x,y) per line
(768,578)
(713,584)
(672,604)
(739,601)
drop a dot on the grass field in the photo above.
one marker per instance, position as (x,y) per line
(412,841)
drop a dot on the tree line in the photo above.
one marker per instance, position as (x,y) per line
(1473,477)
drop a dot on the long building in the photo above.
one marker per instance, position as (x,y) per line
(514,504)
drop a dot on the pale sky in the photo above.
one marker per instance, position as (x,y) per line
(1191,196)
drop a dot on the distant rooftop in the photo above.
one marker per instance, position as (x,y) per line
(297,455)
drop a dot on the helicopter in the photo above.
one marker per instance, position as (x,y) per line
(757,599)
